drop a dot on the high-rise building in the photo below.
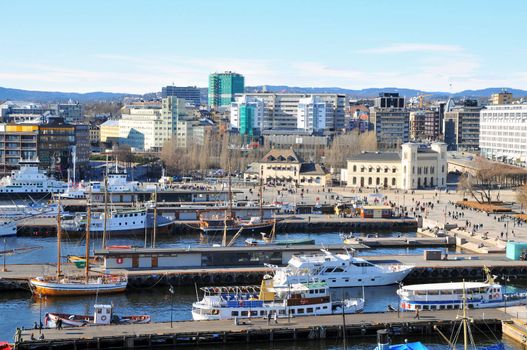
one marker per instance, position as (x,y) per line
(223,87)
(501,98)
(461,126)
(247,115)
(391,125)
(389,100)
(191,94)
(291,112)
(503,132)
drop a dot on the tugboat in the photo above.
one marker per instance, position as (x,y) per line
(300,299)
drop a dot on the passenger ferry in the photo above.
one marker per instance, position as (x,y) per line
(445,296)
(338,270)
(300,299)
(127,222)
(30,181)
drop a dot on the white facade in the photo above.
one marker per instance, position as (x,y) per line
(414,167)
(149,127)
(248,101)
(503,132)
(311,114)
(281,110)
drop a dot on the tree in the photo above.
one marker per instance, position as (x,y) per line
(483,180)
(347,145)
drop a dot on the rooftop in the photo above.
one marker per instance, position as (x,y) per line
(376,157)
(281,156)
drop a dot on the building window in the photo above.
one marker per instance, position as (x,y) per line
(370,181)
(354,168)
(393,181)
(432,170)
(354,180)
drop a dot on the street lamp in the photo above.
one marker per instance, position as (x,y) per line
(40,314)
(172,291)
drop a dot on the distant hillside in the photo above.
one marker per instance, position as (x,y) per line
(373,92)
(49,96)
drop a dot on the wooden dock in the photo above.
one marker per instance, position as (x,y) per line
(192,333)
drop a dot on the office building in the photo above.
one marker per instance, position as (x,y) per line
(223,87)
(389,100)
(461,126)
(416,166)
(501,98)
(109,131)
(71,112)
(12,111)
(292,112)
(247,115)
(191,94)
(391,126)
(503,133)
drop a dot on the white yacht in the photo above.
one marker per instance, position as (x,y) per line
(8,228)
(20,211)
(118,222)
(117,182)
(30,181)
(300,299)
(337,270)
(445,296)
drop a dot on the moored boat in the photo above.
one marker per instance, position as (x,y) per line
(8,228)
(300,299)
(103,315)
(338,270)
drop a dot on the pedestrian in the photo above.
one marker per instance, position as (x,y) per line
(416,313)
(41,336)
(35,326)
(59,324)
(269,318)
(18,335)
(275,316)
(32,336)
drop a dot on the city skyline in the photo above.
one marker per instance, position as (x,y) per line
(137,47)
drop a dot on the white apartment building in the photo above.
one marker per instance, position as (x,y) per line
(147,127)
(247,112)
(281,110)
(503,132)
(311,114)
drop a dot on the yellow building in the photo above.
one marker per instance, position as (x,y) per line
(501,98)
(284,165)
(109,131)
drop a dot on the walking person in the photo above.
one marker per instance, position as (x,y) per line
(416,313)
(275,316)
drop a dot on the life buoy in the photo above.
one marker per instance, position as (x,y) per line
(119,261)
(103,318)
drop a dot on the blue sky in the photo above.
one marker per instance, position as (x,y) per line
(139,46)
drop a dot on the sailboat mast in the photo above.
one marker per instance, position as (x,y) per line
(105,211)
(224,240)
(59,234)
(155,219)
(465,326)
(230,186)
(88,226)
(261,194)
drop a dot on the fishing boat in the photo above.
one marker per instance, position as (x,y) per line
(251,242)
(60,285)
(445,296)
(338,270)
(300,299)
(8,228)
(103,315)
(30,181)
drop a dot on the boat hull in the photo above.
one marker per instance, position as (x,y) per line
(458,304)
(165,229)
(69,320)
(47,288)
(246,229)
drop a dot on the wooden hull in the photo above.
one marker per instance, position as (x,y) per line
(69,320)
(51,288)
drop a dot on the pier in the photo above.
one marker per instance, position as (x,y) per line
(191,333)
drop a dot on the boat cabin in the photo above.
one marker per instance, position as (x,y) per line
(102,314)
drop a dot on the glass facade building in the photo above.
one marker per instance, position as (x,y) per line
(223,87)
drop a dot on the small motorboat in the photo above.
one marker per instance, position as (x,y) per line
(103,315)
(5,345)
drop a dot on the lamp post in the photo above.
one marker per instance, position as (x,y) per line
(172,291)
(40,314)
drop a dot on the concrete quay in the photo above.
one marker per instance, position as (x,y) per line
(191,333)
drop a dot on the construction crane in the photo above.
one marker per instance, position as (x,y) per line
(421,99)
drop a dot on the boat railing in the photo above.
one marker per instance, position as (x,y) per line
(231,290)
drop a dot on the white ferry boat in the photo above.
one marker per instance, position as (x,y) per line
(301,299)
(127,222)
(19,211)
(338,270)
(445,296)
(117,181)
(30,181)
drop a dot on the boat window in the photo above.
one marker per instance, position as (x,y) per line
(245,313)
(338,269)
(254,313)
(329,270)
(234,313)
(309,310)
(433,292)
(281,312)
(300,311)
(360,280)
(318,307)
(346,280)
(262,313)
(292,311)
(324,307)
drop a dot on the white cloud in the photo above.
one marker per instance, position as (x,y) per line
(411,48)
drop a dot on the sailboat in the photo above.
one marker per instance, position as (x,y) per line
(60,285)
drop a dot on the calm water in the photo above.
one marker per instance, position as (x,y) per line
(20,309)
